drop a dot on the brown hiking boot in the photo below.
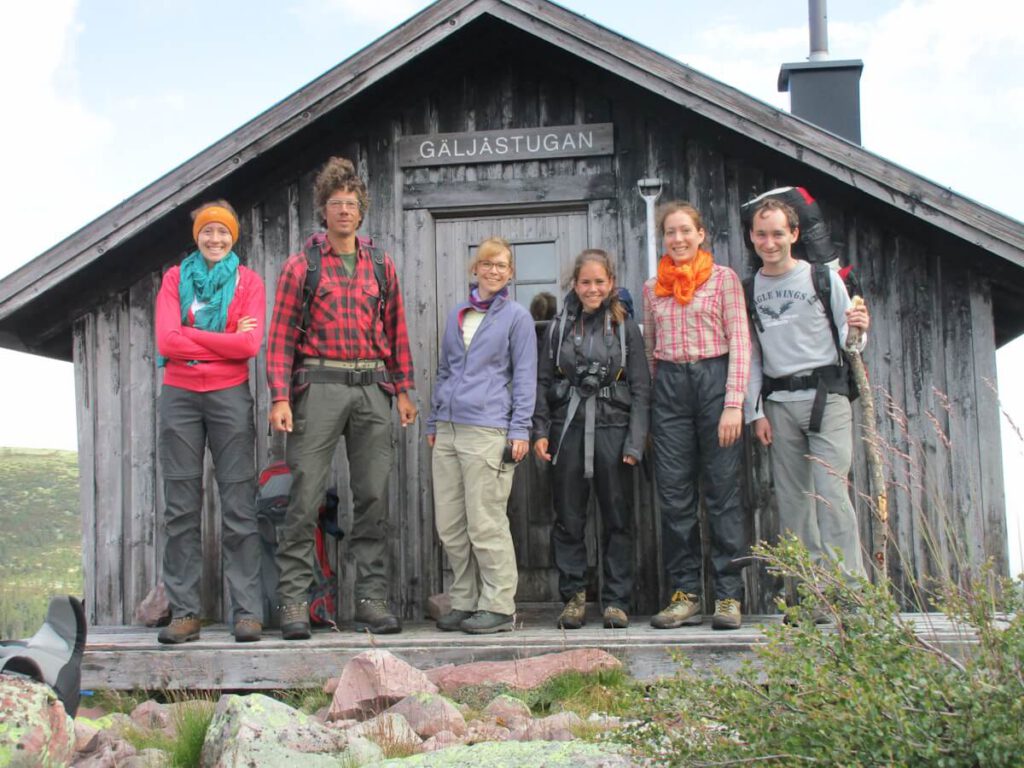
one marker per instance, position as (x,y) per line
(182,629)
(248,630)
(295,621)
(574,614)
(375,616)
(727,614)
(615,618)
(684,610)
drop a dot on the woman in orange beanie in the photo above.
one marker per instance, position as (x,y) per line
(698,346)
(209,322)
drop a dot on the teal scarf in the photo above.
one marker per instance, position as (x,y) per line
(214,287)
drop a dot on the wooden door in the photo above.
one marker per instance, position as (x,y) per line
(545,245)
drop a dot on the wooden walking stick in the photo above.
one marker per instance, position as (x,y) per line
(880,530)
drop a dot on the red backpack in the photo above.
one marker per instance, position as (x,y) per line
(273,489)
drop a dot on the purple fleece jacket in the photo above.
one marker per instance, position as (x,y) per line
(493,383)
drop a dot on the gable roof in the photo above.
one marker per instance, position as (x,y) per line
(780,131)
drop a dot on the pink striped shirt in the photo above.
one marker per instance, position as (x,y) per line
(715,323)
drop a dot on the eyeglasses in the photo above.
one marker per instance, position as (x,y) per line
(346,205)
(497,266)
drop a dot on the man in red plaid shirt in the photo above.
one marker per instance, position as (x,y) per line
(335,378)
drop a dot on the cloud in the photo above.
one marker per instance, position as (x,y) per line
(50,140)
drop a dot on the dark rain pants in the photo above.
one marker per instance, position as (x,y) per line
(687,405)
(570,491)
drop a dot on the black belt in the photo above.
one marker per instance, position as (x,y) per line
(353,373)
(828,378)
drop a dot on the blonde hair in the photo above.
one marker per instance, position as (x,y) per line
(488,249)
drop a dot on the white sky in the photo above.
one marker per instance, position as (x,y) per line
(103,97)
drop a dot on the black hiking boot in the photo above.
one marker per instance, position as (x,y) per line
(375,616)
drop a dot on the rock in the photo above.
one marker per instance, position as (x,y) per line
(430,713)
(257,730)
(487,732)
(154,610)
(374,680)
(558,727)
(521,674)
(389,731)
(85,732)
(147,758)
(361,752)
(439,605)
(508,711)
(34,728)
(574,754)
(152,715)
(107,750)
(440,740)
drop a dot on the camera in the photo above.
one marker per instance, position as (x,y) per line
(589,378)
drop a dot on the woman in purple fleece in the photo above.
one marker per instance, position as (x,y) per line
(479,427)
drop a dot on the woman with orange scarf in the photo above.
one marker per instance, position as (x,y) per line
(697,342)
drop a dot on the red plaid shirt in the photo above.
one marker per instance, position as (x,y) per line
(345,322)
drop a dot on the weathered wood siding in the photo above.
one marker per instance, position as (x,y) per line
(931,352)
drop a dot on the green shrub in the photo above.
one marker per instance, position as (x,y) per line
(865,691)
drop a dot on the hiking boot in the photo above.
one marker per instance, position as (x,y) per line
(615,618)
(727,614)
(248,630)
(574,614)
(375,616)
(450,621)
(684,610)
(487,622)
(295,621)
(182,629)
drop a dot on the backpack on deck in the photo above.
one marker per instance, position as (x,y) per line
(272,493)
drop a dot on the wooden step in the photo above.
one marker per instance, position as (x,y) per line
(127,658)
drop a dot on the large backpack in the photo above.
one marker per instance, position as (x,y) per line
(272,493)
(815,243)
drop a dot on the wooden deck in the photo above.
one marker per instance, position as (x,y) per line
(125,658)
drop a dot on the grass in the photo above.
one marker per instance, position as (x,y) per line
(190,719)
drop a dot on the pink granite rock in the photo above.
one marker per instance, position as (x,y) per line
(522,674)
(154,610)
(84,734)
(389,730)
(441,740)
(373,681)
(33,723)
(107,750)
(508,711)
(151,714)
(558,727)
(487,732)
(430,713)
(439,605)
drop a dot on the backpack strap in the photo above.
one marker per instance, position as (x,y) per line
(309,286)
(748,295)
(379,271)
(823,288)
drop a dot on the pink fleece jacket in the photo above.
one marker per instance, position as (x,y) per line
(223,357)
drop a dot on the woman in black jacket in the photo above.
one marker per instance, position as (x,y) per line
(590,422)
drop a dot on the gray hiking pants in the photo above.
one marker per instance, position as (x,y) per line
(188,420)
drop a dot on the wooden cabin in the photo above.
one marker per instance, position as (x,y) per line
(522,119)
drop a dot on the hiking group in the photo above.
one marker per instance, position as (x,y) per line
(592,391)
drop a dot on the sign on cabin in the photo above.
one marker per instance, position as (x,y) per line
(507,144)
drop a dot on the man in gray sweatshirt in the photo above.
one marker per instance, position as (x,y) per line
(796,397)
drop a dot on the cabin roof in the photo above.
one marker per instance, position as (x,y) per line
(27,293)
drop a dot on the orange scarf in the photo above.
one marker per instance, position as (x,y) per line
(683,280)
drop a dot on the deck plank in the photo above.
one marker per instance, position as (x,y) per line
(127,658)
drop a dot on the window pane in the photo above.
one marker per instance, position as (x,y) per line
(524,293)
(536,261)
